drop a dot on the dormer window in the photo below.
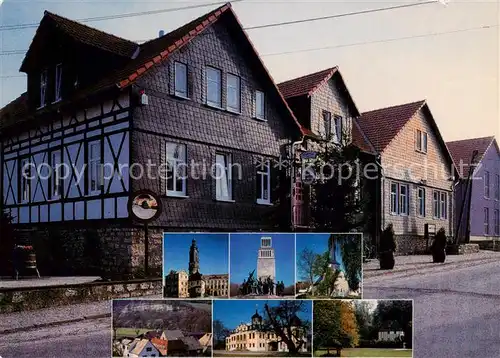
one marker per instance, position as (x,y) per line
(43,88)
(58,83)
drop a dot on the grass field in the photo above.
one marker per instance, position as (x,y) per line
(369,352)
(129,332)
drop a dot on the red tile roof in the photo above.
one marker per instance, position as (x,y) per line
(359,138)
(382,125)
(161,345)
(461,150)
(307,84)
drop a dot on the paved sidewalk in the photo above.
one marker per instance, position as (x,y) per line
(423,263)
(46,317)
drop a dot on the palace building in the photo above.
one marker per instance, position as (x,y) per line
(255,337)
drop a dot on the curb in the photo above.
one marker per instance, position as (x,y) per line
(420,270)
(52,324)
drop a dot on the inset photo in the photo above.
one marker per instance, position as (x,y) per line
(195,265)
(363,328)
(329,265)
(262,328)
(161,328)
(262,265)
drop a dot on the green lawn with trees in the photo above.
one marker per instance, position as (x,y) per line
(350,328)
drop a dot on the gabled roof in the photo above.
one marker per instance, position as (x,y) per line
(382,125)
(173,334)
(85,35)
(308,84)
(191,343)
(305,85)
(461,150)
(161,345)
(139,346)
(145,56)
(360,140)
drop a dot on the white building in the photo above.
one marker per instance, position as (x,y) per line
(142,348)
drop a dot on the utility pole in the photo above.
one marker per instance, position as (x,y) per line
(467,195)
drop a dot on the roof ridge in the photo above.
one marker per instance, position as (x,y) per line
(330,69)
(58,17)
(422,102)
(470,139)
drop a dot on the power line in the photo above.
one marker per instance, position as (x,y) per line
(340,15)
(380,41)
(118,16)
(484,27)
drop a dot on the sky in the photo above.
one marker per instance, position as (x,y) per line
(457,73)
(213,252)
(234,312)
(318,243)
(244,252)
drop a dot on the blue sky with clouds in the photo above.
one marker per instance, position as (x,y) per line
(244,251)
(234,312)
(213,252)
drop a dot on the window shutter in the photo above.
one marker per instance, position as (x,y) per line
(254,104)
(171,77)
(163,161)
(203,84)
(190,82)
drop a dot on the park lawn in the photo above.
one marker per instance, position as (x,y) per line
(130,332)
(369,352)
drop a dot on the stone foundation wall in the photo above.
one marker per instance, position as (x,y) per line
(13,300)
(410,245)
(111,251)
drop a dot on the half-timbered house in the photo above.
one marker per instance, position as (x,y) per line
(98,109)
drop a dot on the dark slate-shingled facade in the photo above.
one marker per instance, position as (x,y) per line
(205,131)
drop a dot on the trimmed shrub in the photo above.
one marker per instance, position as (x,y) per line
(387,248)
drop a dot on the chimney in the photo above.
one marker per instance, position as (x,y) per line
(161,33)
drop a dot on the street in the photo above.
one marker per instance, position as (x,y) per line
(456,311)
(89,338)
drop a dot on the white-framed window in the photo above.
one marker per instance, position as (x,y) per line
(56,177)
(260,105)
(403,199)
(421,201)
(394,198)
(180,79)
(58,83)
(487,184)
(486,221)
(94,162)
(214,87)
(233,101)
(338,129)
(43,87)
(176,173)
(440,204)
(496,219)
(327,120)
(497,187)
(264,182)
(26,172)
(223,177)
(444,205)
(421,141)
(400,198)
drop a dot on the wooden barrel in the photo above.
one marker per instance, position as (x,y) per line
(30,262)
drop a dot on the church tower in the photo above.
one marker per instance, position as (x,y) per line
(194,259)
(266,265)
(334,264)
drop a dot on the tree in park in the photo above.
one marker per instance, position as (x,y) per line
(351,257)
(283,320)
(220,333)
(400,311)
(335,325)
(306,265)
(364,320)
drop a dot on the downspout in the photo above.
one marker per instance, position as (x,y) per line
(380,200)
(292,179)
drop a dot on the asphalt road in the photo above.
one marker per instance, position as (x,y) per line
(456,312)
(90,338)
